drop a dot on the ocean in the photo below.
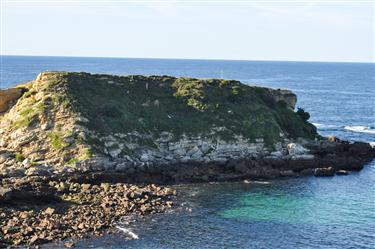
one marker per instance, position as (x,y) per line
(307,212)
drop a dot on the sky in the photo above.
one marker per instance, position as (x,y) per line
(292,30)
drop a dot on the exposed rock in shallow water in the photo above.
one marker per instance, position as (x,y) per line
(37,211)
(330,171)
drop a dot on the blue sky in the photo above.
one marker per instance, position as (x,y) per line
(254,30)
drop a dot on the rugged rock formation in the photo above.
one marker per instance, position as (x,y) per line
(8,96)
(175,129)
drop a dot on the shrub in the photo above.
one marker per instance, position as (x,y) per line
(110,111)
(19,157)
(57,141)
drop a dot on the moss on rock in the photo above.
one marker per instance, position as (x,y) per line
(69,114)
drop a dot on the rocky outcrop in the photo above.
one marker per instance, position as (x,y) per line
(330,171)
(174,129)
(284,95)
(9,96)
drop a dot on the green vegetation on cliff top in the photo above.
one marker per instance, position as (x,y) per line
(150,105)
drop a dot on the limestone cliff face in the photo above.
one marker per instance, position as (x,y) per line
(8,96)
(79,121)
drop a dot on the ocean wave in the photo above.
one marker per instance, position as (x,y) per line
(360,128)
(352,128)
(326,126)
(128,232)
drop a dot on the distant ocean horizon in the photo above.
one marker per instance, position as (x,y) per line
(179,58)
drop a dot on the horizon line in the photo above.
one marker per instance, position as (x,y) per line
(202,59)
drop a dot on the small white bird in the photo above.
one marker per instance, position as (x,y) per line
(128,232)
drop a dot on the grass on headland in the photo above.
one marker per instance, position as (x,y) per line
(151,105)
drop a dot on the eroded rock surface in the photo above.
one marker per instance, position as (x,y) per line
(9,96)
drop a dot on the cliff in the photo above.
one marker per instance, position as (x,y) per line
(79,122)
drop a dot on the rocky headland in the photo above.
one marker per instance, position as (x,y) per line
(69,140)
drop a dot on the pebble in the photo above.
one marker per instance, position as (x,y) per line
(68,210)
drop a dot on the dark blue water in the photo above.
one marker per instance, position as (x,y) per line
(336,212)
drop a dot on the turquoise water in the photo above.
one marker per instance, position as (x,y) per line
(308,212)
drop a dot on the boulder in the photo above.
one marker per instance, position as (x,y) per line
(38,171)
(330,171)
(4,156)
(307,172)
(5,194)
(9,95)
(287,173)
(295,149)
(284,95)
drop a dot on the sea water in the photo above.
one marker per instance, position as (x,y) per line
(308,212)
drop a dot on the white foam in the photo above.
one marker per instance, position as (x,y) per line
(261,182)
(325,126)
(360,128)
(128,232)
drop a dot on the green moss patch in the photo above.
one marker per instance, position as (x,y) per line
(151,105)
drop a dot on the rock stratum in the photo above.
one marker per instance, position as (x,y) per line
(162,129)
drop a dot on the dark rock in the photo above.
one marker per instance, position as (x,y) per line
(5,194)
(287,173)
(307,172)
(330,171)
(241,166)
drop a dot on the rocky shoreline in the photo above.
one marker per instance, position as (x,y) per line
(35,210)
(320,158)
(42,209)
